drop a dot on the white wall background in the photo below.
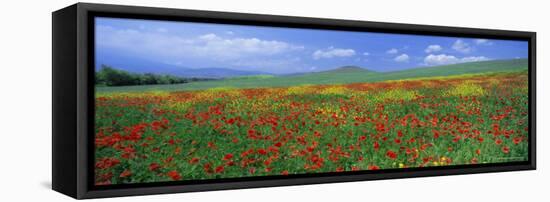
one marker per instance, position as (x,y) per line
(25,101)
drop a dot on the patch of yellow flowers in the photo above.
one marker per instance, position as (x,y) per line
(395,94)
(299,90)
(465,89)
(335,90)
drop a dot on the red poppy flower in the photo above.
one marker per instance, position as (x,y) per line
(380,127)
(399,133)
(228,156)
(174,175)
(230,163)
(107,163)
(262,151)
(425,146)
(168,160)
(285,172)
(219,169)
(373,167)
(480,139)
(230,121)
(412,140)
(125,173)
(207,168)
(376,146)
(391,154)
(506,149)
(517,140)
(268,162)
(456,139)
(278,144)
(397,141)
(498,141)
(317,134)
(154,166)
(194,160)
(251,132)
(436,134)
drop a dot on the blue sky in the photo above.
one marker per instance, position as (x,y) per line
(284,50)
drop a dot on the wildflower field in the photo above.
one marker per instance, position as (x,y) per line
(155,136)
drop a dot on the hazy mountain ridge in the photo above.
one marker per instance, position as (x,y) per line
(136,65)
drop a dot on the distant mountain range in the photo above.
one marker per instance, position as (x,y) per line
(212,72)
(137,65)
(348,69)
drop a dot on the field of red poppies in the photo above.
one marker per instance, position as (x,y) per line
(228,133)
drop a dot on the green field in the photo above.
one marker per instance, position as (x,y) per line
(143,137)
(338,76)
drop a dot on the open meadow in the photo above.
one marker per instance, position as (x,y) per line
(231,132)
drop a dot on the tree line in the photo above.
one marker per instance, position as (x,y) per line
(109,76)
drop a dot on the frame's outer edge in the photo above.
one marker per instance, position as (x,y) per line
(72,74)
(533,99)
(307,22)
(83,93)
(64,145)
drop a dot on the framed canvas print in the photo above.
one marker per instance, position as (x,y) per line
(153,100)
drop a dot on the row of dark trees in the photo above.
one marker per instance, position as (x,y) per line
(109,76)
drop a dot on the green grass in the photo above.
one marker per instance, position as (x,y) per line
(338,76)
(457,69)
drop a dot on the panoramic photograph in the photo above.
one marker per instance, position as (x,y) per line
(178,101)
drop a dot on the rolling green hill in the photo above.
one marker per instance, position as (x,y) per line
(457,69)
(347,74)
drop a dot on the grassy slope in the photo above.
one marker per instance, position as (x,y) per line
(457,69)
(338,76)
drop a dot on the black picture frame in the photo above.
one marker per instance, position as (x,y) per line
(73,99)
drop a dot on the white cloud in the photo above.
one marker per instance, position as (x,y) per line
(210,37)
(443,59)
(433,48)
(162,30)
(366,53)
(462,46)
(485,42)
(392,51)
(175,47)
(474,59)
(402,58)
(333,52)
